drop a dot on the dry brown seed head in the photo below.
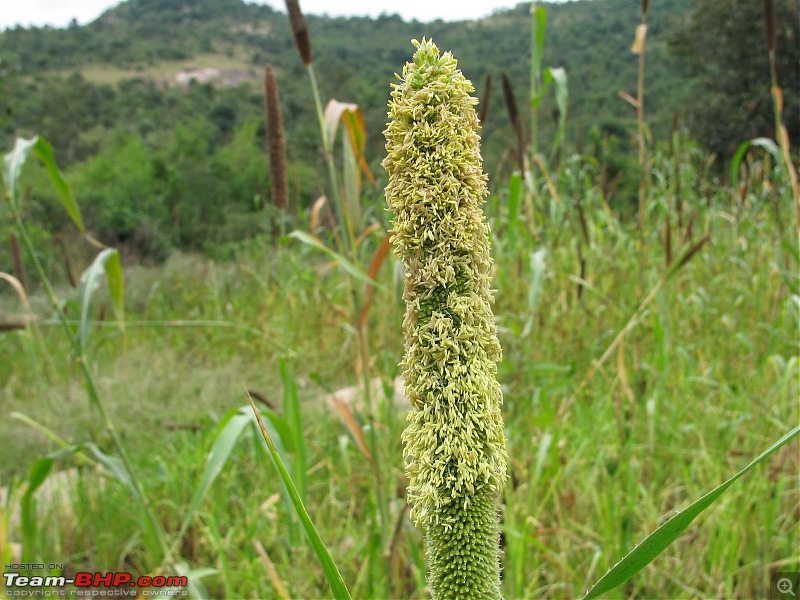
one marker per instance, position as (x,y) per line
(276,143)
(299,31)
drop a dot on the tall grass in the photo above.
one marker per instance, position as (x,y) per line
(719,365)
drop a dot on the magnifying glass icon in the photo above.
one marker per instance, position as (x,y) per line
(784,586)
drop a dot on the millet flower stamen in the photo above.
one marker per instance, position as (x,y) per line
(454,444)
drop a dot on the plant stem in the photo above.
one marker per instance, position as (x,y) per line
(349,249)
(640,127)
(91,385)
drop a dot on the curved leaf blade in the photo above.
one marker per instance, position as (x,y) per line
(44,152)
(13,163)
(561,90)
(341,260)
(736,162)
(332,574)
(108,263)
(228,434)
(656,542)
(12,167)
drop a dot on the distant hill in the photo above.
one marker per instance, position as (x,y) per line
(228,42)
(155,109)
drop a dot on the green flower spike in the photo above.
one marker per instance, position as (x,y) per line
(454,445)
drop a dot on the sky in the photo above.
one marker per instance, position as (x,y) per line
(58,13)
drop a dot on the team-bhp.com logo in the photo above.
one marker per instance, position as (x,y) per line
(114,583)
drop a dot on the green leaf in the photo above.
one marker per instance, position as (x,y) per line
(332,574)
(349,267)
(282,429)
(114,466)
(762,142)
(107,262)
(37,474)
(559,77)
(12,170)
(514,199)
(352,184)
(536,261)
(228,432)
(291,410)
(195,588)
(116,287)
(281,435)
(656,542)
(44,151)
(538,31)
(51,435)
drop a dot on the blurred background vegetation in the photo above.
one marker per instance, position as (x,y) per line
(162,158)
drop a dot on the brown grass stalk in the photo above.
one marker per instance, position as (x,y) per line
(768,10)
(299,31)
(513,116)
(277,583)
(487,92)
(16,257)
(68,268)
(674,148)
(276,141)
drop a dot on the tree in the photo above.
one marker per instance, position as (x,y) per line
(723,43)
(9,73)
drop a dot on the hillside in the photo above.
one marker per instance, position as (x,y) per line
(158,40)
(156,108)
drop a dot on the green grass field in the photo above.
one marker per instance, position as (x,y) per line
(167,70)
(705,381)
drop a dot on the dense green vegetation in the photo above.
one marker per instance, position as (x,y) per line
(108,87)
(705,381)
(731,101)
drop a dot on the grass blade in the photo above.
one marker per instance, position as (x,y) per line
(12,169)
(762,142)
(539,34)
(277,583)
(49,434)
(349,420)
(113,465)
(378,258)
(107,262)
(656,542)
(341,260)
(351,185)
(559,78)
(292,414)
(514,197)
(195,587)
(332,574)
(44,152)
(350,115)
(37,474)
(228,434)
(538,267)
